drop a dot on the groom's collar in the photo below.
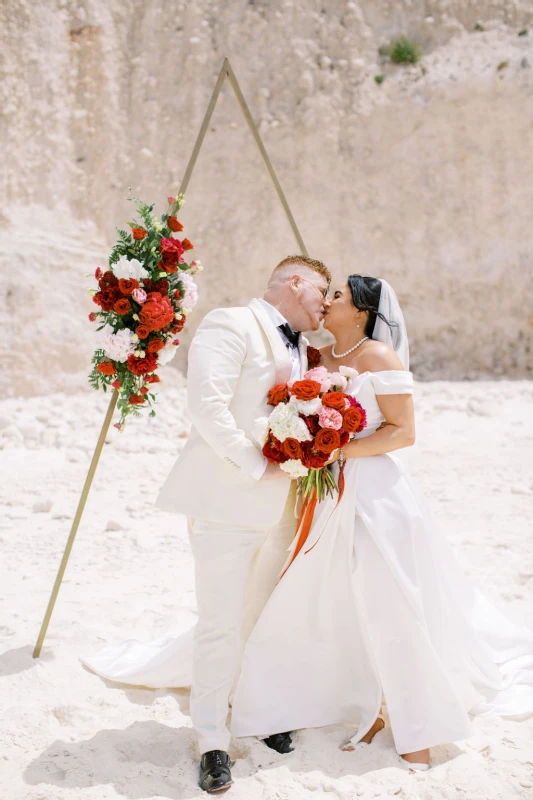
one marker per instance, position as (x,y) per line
(275,315)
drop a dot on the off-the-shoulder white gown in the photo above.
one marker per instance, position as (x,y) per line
(378,609)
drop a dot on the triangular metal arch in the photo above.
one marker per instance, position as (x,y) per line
(227,72)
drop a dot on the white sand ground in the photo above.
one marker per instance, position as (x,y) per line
(66,734)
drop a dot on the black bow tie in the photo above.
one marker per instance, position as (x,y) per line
(292,336)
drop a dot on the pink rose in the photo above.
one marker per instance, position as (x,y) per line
(321,376)
(139,295)
(171,200)
(329,418)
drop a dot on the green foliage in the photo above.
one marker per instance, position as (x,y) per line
(379,78)
(523,32)
(479,27)
(404,51)
(502,65)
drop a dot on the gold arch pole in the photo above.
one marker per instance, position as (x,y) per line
(225,72)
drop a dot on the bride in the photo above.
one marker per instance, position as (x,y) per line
(374,610)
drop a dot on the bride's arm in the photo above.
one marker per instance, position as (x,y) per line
(398,430)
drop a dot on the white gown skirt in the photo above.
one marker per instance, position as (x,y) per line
(378,608)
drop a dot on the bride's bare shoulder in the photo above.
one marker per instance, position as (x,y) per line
(378,357)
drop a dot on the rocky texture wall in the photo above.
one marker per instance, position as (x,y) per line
(425,178)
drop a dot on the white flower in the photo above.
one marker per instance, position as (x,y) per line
(125,268)
(307,407)
(190,297)
(260,430)
(351,374)
(286,424)
(117,346)
(338,380)
(294,468)
(167,353)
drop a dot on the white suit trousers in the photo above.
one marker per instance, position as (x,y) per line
(236,570)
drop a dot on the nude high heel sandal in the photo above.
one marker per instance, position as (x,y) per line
(417,767)
(349,746)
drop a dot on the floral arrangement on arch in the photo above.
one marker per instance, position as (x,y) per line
(144,299)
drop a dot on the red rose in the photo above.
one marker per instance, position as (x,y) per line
(305,390)
(273,450)
(171,250)
(107,298)
(313,458)
(353,420)
(327,440)
(122,306)
(160,286)
(107,279)
(278,394)
(106,368)
(155,345)
(116,385)
(140,366)
(157,312)
(313,423)
(174,224)
(127,285)
(334,400)
(98,273)
(178,326)
(92,316)
(144,390)
(345,437)
(187,245)
(142,331)
(136,400)
(152,379)
(314,357)
(292,448)
(138,233)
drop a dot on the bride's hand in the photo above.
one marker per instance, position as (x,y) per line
(333,457)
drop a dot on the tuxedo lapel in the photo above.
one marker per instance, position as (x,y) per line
(282,359)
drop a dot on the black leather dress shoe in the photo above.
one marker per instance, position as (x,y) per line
(281,742)
(215,775)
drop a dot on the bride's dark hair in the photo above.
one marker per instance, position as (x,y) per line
(366,293)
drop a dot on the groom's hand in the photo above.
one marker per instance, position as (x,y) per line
(273,472)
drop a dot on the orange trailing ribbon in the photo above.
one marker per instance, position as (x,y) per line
(305,520)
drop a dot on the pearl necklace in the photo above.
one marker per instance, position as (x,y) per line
(341,355)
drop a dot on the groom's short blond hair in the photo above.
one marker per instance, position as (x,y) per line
(312,264)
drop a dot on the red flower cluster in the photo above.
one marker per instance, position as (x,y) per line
(157,312)
(141,366)
(171,251)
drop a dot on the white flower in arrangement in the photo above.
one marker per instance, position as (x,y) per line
(196,266)
(190,298)
(286,424)
(156,222)
(339,381)
(125,268)
(260,430)
(167,353)
(117,346)
(294,468)
(351,374)
(306,407)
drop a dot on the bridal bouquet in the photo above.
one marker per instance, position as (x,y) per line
(143,298)
(311,418)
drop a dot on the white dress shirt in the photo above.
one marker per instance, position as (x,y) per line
(278,319)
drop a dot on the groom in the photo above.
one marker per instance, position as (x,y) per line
(240,508)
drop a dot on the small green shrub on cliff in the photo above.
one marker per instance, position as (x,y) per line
(379,78)
(403,51)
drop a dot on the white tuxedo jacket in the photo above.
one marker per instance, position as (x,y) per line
(235,357)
